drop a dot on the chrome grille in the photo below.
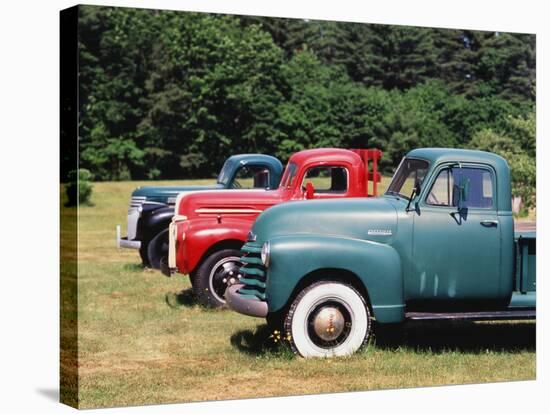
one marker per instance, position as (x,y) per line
(253,271)
(137,201)
(134,212)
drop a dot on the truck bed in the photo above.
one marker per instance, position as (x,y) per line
(525,240)
(529,228)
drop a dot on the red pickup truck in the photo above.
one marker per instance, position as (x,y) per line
(210,227)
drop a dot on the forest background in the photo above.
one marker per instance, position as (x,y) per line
(171,94)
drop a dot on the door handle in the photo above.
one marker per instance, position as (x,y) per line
(489,223)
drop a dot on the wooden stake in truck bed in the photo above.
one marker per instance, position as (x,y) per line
(439,244)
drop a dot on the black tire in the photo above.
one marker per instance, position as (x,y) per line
(208,283)
(157,249)
(192,276)
(143,254)
(276,320)
(327,318)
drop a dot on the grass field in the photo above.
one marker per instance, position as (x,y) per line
(142,339)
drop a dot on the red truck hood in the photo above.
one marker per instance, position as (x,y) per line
(224,202)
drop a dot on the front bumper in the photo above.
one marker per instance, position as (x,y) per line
(245,304)
(123,242)
(168,269)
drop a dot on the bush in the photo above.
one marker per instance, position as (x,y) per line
(79,188)
(516,143)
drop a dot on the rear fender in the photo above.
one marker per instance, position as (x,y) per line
(377,267)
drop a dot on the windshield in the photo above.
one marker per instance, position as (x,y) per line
(225,173)
(409,171)
(289,175)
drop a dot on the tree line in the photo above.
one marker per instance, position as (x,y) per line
(165,94)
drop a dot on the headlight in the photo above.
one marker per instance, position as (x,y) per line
(266,250)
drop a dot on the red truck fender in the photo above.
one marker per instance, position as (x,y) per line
(209,235)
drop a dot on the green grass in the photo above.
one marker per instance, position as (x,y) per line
(142,339)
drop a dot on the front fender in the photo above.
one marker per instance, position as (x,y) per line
(154,220)
(203,234)
(376,265)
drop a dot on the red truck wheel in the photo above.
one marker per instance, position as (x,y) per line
(213,276)
(328,318)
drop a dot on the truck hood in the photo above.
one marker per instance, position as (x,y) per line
(226,202)
(161,194)
(360,218)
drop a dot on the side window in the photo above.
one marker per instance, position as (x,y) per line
(327,179)
(480,187)
(478,182)
(441,193)
(251,176)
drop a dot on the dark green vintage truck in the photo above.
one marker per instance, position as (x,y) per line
(439,244)
(152,207)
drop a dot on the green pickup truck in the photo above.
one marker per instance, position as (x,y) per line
(439,244)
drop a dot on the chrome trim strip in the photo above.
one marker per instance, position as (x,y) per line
(227,210)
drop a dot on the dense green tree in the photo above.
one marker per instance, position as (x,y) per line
(114,58)
(506,65)
(168,94)
(397,57)
(214,90)
(516,142)
(455,52)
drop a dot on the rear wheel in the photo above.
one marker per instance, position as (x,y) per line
(157,249)
(214,275)
(328,318)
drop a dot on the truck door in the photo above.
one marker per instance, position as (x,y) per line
(456,252)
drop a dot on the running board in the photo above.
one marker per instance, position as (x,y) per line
(472,316)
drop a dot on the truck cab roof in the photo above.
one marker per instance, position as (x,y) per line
(275,165)
(325,154)
(440,155)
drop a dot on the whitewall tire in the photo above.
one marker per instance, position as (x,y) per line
(326,319)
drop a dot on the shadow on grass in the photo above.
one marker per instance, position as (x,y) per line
(133,267)
(462,336)
(261,341)
(185,297)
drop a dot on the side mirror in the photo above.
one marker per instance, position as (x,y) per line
(417,187)
(309,190)
(415,192)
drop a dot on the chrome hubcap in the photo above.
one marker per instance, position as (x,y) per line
(223,274)
(328,323)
